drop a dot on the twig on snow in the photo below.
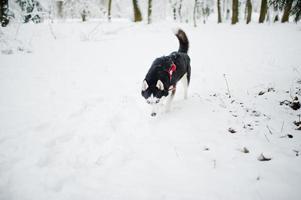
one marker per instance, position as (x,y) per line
(266,137)
(51,31)
(269,130)
(17,31)
(227,85)
(282,126)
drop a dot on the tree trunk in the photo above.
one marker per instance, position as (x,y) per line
(263,10)
(109,10)
(194,12)
(276,15)
(268,16)
(3,13)
(249,11)
(84,15)
(180,10)
(59,9)
(219,18)
(234,12)
(287,11)
(149,12)
(174,9)
(137,12)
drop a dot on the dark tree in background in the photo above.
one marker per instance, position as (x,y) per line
(234,12)
(219,15)
(3,13)
(263,10)
(249,11)
(149,11)
(137,12)
(109,10)
(287,10)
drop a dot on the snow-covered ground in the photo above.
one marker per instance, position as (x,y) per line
(74,126)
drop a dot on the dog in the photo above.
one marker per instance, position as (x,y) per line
(164,74)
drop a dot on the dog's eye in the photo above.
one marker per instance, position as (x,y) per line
(157,101)
(148,101)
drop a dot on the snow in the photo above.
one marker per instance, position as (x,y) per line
(73,124)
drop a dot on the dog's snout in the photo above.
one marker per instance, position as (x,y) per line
(152,100)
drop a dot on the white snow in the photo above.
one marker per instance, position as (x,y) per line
(73,124)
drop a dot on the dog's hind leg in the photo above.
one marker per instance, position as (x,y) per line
(169,100)
(185,82)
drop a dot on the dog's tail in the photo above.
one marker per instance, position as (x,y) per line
(183,40)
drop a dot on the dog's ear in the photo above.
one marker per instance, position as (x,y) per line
(160,85)
(144,85)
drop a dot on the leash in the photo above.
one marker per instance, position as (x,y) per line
(171,70)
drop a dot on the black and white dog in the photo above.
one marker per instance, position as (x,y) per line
(165,73)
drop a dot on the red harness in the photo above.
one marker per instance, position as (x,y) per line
(171,70)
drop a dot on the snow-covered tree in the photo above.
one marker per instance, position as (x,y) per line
(4,20)
(289,7)
(296,10)
(31,10)
(149,11)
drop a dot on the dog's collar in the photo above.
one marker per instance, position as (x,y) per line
(171,70)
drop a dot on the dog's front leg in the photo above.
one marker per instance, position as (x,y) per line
(169,100)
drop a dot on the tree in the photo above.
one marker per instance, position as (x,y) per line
(180,10)
(263,10)
(234,12)
(59,9)
(296,10)
(149,12)
(278,5)
(219,18)
(290,7)
(137,12)
(226,9)
(3,13)
(249,11)
(173,4)
(109,10)
(31,10)
(287,11)
(195,12)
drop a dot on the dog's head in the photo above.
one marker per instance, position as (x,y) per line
(153,91)
(157,82)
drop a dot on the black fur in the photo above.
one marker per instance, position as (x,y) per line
(160,66)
